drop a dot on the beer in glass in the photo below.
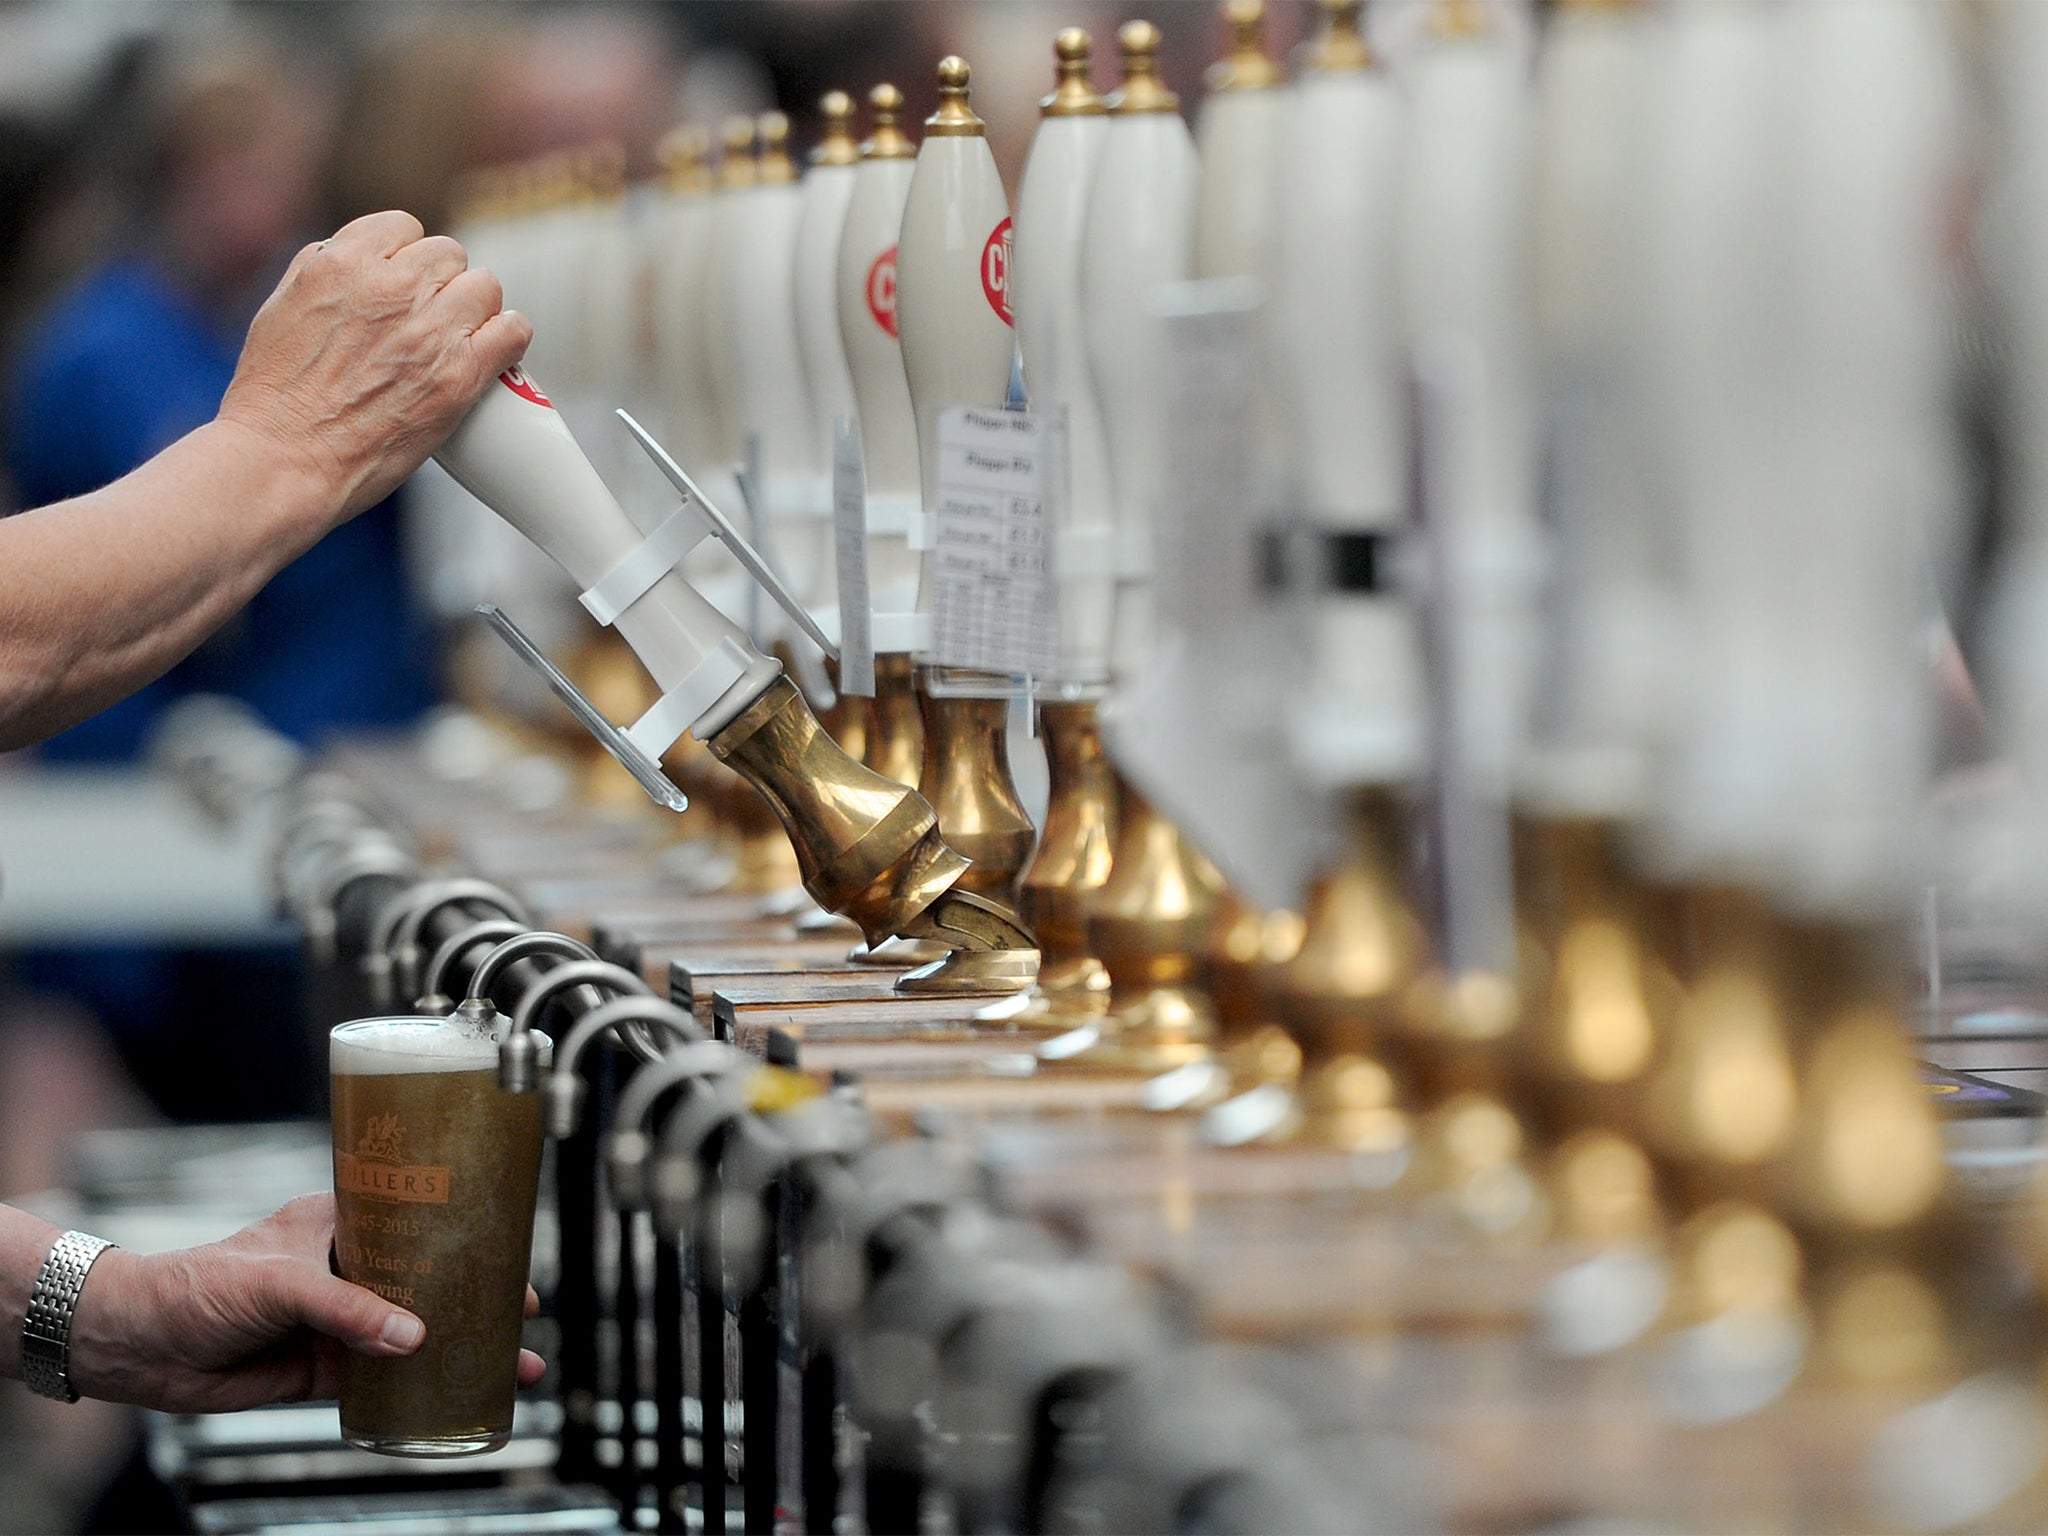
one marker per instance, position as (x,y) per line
(435,1172)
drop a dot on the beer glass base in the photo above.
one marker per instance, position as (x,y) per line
(477,1444)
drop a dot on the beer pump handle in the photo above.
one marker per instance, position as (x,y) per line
(952,273)
(726,534)
(645,770)
(1052,209)
(1135,240)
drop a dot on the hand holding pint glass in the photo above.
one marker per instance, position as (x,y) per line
(436,1169)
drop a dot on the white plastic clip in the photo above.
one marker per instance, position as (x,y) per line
(901,632)
(1085,554)
(630,580)
(663,725)
(893,514)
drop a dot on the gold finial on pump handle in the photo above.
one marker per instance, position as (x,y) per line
(1340,48)
(888,141)
(736,166)
(1074,94)
(772,165)
(837,146)
(1246,66)
(1142,90)
(955,117)
(685,156)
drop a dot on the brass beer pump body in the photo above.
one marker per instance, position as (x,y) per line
(1076,844)
(965,773)
(1071,866)
(1149,926)
(895,725)
(866,846)
(1363,973)
(1793,1126)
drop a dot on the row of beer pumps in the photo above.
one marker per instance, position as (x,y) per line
(1593,436)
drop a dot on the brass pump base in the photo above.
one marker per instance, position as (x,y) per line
(892,742)
(966,778)
(972,973)
(1073,862)
(892,727)
(1149,924)
(866,847)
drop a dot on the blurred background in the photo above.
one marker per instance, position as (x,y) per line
(160,161)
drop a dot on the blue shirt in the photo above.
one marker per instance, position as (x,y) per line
(116,370)
(112,373)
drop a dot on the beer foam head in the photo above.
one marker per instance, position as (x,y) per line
(373,1046)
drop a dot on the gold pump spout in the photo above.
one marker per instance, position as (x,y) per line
(866,847)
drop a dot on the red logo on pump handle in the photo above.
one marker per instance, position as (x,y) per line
(882,291)
(995,270)
(515,379)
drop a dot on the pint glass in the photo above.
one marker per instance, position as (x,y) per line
(435,1172)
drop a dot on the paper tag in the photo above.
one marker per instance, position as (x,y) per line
(850,529)
(992,604)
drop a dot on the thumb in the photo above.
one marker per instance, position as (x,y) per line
(359,1318)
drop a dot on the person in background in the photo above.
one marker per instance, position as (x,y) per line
(133,356)
(374,347)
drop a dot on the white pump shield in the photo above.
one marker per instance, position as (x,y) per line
(1052,209)
(1140,210)
(515,454)
(715,324)
(1464,284)
(1334,346)
(1601,684)
(1236,141)
(827,193)
(609,332)
(689,406)
(768,376)
(1715,190)
(888,429)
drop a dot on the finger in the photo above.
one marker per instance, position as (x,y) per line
(532,1302)
(531,1368)
(439,258)
(500,341)
(359,1318)
(324,1373)
(377,234)
(467,301)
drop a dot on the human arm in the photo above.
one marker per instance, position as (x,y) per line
(374,346)
(257,1318)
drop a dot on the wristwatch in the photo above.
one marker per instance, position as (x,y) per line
(46,1332)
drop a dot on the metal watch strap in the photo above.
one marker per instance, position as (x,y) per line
(46,1331)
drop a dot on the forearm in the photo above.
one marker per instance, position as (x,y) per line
(24,1243)
(102,594)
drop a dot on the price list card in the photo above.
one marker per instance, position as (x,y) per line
(992,603)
